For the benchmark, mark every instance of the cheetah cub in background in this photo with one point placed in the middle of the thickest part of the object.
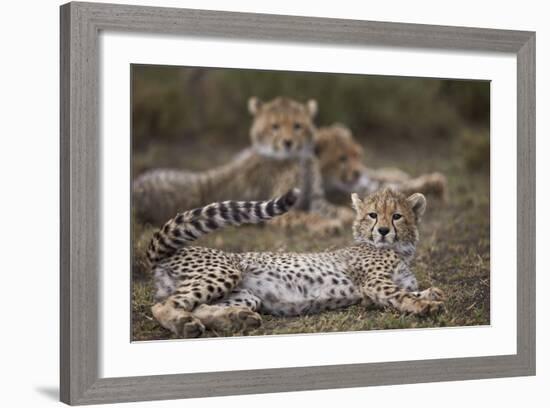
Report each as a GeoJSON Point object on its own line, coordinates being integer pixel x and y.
{"type": "Point", "coordinates": [280, 158]}
{"type": "Point", "coordinates": [341, 159]}
{"type": "Point", "coordinates": [198, 288]}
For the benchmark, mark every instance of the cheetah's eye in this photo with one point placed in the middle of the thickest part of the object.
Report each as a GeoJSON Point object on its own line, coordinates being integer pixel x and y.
{"type": "Point", "coordinates": [396, 216]}
{"type": "Point", "coordinates": [297, 126]}
{"type": "Point", "coordinates": [275, 126]}
{"type": "Point", "coordinates": [373, 215]}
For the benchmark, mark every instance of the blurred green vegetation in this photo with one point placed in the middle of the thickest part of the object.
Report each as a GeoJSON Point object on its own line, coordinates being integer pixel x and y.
{"type": "Point", "coordinates": [196, 105]}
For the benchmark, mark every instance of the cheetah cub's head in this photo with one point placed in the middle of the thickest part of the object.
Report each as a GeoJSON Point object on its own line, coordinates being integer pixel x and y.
{"type": "Point", "coordinates": [388, 219]}
{"type": "Point", "coordinates": [340, 158]}
{"type": "Point", "coordinates": [282, 128]}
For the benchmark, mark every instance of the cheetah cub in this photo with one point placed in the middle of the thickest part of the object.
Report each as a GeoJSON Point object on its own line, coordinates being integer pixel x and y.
{"type": "Point", "coordinates": [198, 288]}
{"type": "Point", "coordinates": [279, 158]}
{"type": "Point", "coordinates": [341, 157]}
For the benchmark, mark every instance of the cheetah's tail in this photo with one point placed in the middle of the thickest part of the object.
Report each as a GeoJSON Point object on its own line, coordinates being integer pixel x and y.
{"type": "Point", "coordinates": [190, 225]}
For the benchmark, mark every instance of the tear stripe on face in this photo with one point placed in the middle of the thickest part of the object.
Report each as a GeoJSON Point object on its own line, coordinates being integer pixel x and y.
{"type": "Point", "coordinates": [395, 236]}
{"type": "Point", "coordinates": [372, 230]}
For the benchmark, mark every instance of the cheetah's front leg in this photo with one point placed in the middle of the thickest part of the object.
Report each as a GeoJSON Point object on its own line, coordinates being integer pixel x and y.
{"type": "Point", "coordinates": [432, 293]}
{"type": "Point", "coordinates": [384, 292]}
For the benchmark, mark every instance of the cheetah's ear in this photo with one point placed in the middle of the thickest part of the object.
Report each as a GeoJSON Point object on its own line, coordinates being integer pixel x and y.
{"type": "Point", "coordinates": [417, 202]}
{"type": "Point", "coordinates": [312, 107]}
{"type": "Point", "coordinates": [254, 105]}
{"type": "Point", "coordinates": [356, 202]}
{"type": "Point", "coordinates": [342, 130]}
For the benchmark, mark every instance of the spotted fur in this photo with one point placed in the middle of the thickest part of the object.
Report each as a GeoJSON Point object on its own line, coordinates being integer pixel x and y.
{"type": "Point", "coordinates": [200, 288]}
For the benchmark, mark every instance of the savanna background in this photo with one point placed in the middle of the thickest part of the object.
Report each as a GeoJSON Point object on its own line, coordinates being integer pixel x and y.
{"type": "Point", "coordinates": [196, 118]}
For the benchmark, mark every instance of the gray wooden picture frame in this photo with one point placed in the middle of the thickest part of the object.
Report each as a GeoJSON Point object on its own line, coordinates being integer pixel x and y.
{"type": "Point", "coordinates": [81, 24]}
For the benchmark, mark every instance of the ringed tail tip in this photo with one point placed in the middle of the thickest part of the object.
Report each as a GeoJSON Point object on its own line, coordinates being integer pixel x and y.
{"type": "Point", "coordinates": [290, 197]}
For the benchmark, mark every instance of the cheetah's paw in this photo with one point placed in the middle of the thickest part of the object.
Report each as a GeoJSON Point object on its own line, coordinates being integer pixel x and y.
{"type": "Point", "coordinates": [180, 322]}
{"type": "Point", "coordinates": [188, 327]}
{"type": "Point", "coordinates": [237, 318]}
{"type": "Point", "coordinates": [428, 307]}
{"type": "Point", "coordinates": [433, 293]}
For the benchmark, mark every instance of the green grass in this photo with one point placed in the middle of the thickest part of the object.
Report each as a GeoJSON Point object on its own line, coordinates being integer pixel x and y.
{"type": "Point", "coordinates": [453, 253]}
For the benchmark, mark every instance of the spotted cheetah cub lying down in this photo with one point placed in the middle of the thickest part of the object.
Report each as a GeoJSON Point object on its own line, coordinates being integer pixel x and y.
{"type": "Point", "coordinates": [198, 288]}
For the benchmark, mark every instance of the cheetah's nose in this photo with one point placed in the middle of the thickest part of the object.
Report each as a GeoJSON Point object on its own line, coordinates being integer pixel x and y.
{"type": "Point", "coordinates": [288, 144]}
{"type": "Point", "coordinates": [383, 231]}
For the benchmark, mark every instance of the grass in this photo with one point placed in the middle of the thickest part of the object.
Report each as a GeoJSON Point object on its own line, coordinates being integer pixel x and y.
{"type": "Point", "coordinates": [453, 253]}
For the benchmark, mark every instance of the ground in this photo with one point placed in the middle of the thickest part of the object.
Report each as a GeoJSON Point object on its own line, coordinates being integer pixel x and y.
{"type": "Point", "coordinates": [453, 253]}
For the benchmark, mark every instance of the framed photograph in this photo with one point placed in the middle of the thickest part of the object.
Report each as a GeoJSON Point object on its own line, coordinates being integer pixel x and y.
{"type": "Point", "coordinates": [261, 203]}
